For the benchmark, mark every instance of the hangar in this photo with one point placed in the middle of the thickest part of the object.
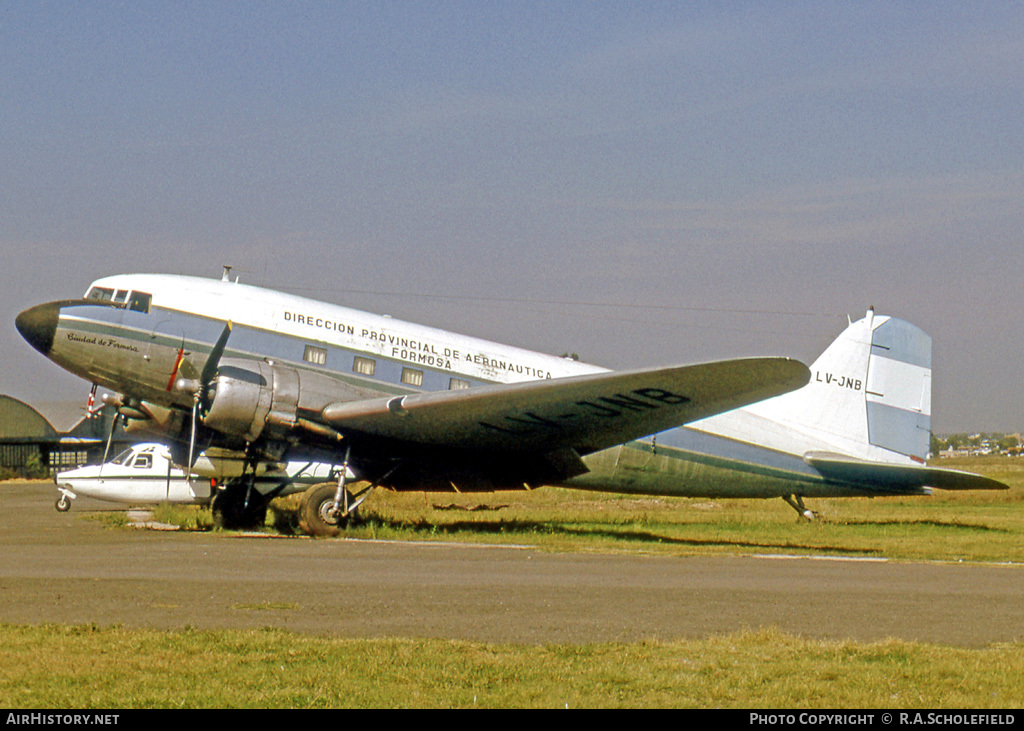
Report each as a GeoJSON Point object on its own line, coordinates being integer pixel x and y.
{"type": "Point", "coordinates": [36, 441]}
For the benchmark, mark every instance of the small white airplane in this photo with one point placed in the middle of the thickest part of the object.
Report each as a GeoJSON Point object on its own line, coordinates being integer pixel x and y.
{"type": "Point", "coordinates": [409, 407]}
{"type": "Point", "coordinates": [144, 474]}
{"type": "Point", "coordinates": [140, 475]}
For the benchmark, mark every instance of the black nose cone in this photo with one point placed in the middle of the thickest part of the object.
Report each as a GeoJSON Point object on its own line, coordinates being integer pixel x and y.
{"type": "Point", "coordinates": [38, 325]}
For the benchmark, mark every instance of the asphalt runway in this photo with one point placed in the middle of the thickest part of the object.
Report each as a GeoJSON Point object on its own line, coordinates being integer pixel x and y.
{"type": "Point", "coordinates": [62, 568]}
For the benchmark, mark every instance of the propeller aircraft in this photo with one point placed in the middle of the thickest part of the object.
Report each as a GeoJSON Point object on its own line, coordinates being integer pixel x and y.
{"type": "Point", "coordinates": [271, 377]}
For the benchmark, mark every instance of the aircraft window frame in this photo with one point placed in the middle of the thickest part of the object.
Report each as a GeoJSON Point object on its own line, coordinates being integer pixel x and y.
{"type": "Point", "coordinates": [412, 377]}
{"type": "Point", "coordinates": [364, 366]}
{"type": "Point", "coordinates": [315, 355]}
{"type": "Point", "coordinates": [458, 384]}
{"type": "Point", "coordinates": [120, 296]}
{"type": "Point", "coordinates": [123, 456]}
{"type": "Point", "coordinates": [100, 294]}
{"type": "Point", "coordinates": [140, 302]}
{"type": "Point", "coordinates": [143, 462]}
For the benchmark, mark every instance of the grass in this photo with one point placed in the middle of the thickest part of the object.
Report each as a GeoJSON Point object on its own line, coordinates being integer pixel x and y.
{"type": "Point", "coordinates": [938, 528]}
{"type": "Point", "coordinates": [92, 667]}
{"type": "Point", "coordinates": [977, 526]}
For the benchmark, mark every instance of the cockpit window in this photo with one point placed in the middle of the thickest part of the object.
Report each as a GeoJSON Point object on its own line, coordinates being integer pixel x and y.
{"type": "Point", "coordinates": [139, 301]}
{"type": "Point", "coordinates": [120, 459]}
{"type": "Point", "coordinates": [102, 294]}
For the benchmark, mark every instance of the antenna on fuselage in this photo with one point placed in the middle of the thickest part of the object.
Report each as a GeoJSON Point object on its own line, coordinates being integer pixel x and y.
{"type": "Point", "coordinates": [226, 276]}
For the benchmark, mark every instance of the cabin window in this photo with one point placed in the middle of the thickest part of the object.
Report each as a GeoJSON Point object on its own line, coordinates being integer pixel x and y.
{"type": "Point", "coordinates": [315, 355]}
{"type": "Point", "coordinates": [139, 301]}
{"type": "Point", "coordinates": [457, 384]}
{"type": "Point", "coordinates": [100, 294]}
{"type": "Point", "coordinates": [143, 462]}
{"type": "Point", "coordinates": [121, 295]}
{"type": "Point", "coordinates": [412, 377]}
{"type": "Point", "coordinates": [366, 366]}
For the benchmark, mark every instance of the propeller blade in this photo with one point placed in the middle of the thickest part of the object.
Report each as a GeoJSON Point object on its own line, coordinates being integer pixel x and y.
{"type": "Point", "coordinates": [110, 438]}
{"type": "Point", "coordinates": [210, 368]}
{"type": "Point", "coordinates": [201, 389]}
{"type": "Point", "coordinates": [192, 443]}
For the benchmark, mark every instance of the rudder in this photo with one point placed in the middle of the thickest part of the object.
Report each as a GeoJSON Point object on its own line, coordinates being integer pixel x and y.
{"type": "Point", "coordinates": [899, 389]}
{"type": "Point", "coordinates": [869, 396]}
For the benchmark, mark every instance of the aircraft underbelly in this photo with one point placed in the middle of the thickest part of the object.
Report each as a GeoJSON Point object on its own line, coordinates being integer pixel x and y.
{"type": "Point", "coordinates": [645, 469]}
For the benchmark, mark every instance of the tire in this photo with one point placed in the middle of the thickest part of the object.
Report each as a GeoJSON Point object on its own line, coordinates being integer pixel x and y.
{"type": "Point", "coordinates": [63, 505]}
{"type": "Point", "coordinates": [315, 518]}
{"type": "Point", "coordinates": [231, 513]}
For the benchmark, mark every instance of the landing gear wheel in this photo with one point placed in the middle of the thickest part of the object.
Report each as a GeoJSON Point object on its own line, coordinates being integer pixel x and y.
{"type": "Point", "coordinates": [231, 513]}
{"type": "Point", "coordinates": [63, 505]}
{"type": "Point", "coordinates": [803, 513]}
{"type": "Point", "coordinates": [316, 511]}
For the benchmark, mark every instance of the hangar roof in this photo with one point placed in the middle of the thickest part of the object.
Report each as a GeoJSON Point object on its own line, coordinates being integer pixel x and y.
{"type": "Point", "coordinates": [19, 421]}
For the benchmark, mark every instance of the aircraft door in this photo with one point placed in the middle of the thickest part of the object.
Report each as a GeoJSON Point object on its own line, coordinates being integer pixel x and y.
{"type": "Point", "coordinates": [165, 357]}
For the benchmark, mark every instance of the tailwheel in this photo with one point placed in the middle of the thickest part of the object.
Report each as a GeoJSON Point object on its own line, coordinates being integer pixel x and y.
{"type": "Point", "coordinates": [797, 503]}
{"type": "Point", "coordinates": [239, 508]}
{"type": "Point", "coordinates": [320, 515]}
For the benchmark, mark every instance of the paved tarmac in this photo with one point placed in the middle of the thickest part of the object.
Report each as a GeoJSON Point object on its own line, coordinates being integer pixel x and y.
{"type": "Point", "coordinates": [62, 568]}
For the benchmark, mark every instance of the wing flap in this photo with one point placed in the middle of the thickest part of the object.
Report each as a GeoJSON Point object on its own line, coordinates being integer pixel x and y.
{"type": "Point", "coordinates": [897, 477]}
{"type": "Point", "coordinates": [586, 413]}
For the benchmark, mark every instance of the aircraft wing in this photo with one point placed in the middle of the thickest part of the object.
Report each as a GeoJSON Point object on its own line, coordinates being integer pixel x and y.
{"type": "Point", "coordinates": [897, 477]}
{"type": "Point", "coordinates": [585, 413]}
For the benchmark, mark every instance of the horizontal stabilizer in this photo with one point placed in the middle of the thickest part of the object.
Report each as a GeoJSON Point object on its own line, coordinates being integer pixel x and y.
{"type": "Point", "coordinates": [585, 413]}
{"type": "Point", "coordinates": [897, 477]}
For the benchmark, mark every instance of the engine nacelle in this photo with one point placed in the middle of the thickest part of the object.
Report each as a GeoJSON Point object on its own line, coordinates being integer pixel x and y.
{"type": "Point", "coordinates": [248, 397]}
{"type": "Point", "coordinates": [150, 420]}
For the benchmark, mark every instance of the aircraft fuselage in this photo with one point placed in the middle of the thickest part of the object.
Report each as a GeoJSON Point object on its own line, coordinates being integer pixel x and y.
{"type": "Point", "coordinates": [149, 337]}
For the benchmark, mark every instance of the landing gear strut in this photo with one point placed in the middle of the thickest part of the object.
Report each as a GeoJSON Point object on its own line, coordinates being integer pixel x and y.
{"type": "Point", "coordinates": [317, 513]}
{"type": "Point", "coordinates": [797, 503]}
{"type": "Point", "coordinates": [325, 508]}
{"type": "Point", "coordinates": [328, 508]}
{"type": "Point", "coordinates": [63, 504]}
{"type": "Point", "coordinates": [239, 506]}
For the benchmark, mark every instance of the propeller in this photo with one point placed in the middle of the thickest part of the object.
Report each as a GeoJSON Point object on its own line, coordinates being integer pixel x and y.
{"type": "Point", "coordinates": [110, 437]}
{"type": "Point", "coordinates": [213, 362]}
{"type": "Point", "coordinates": [117, 402]}
{"type": "Point", "coordinates": [205, 379]}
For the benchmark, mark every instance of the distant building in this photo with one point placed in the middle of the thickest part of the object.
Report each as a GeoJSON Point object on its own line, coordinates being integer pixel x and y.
{"type": "Point", "coordinates": [53, 436]}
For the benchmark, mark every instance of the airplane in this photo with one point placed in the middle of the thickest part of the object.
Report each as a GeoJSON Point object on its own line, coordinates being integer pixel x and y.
{"type": "Point", "coordinates": [145, 474]}
{"type": "Point", "coordinates": [410, 407]}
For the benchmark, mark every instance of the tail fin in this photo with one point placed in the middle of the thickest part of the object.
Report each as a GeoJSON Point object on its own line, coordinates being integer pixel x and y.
{"type": "Point", "coordinates": [869, 396]}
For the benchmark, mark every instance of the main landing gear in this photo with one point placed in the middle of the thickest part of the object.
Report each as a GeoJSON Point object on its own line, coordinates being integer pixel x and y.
{"type": "Point", "coordinates": [797, 503]}
{"type": "Point", "coordinates": [239, 506]}
{"type": "Point", "coordinates": [326, 509]}
{"type": "Point", "coordinates": [318, 515]}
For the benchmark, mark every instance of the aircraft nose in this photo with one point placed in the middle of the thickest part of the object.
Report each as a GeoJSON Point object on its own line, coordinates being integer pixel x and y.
{"type": "Point", "coordinates": [38, 325]}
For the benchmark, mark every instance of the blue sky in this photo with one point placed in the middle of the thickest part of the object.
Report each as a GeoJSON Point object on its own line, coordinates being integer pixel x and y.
{"type": "Point", "coordinates": [640, 183]}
